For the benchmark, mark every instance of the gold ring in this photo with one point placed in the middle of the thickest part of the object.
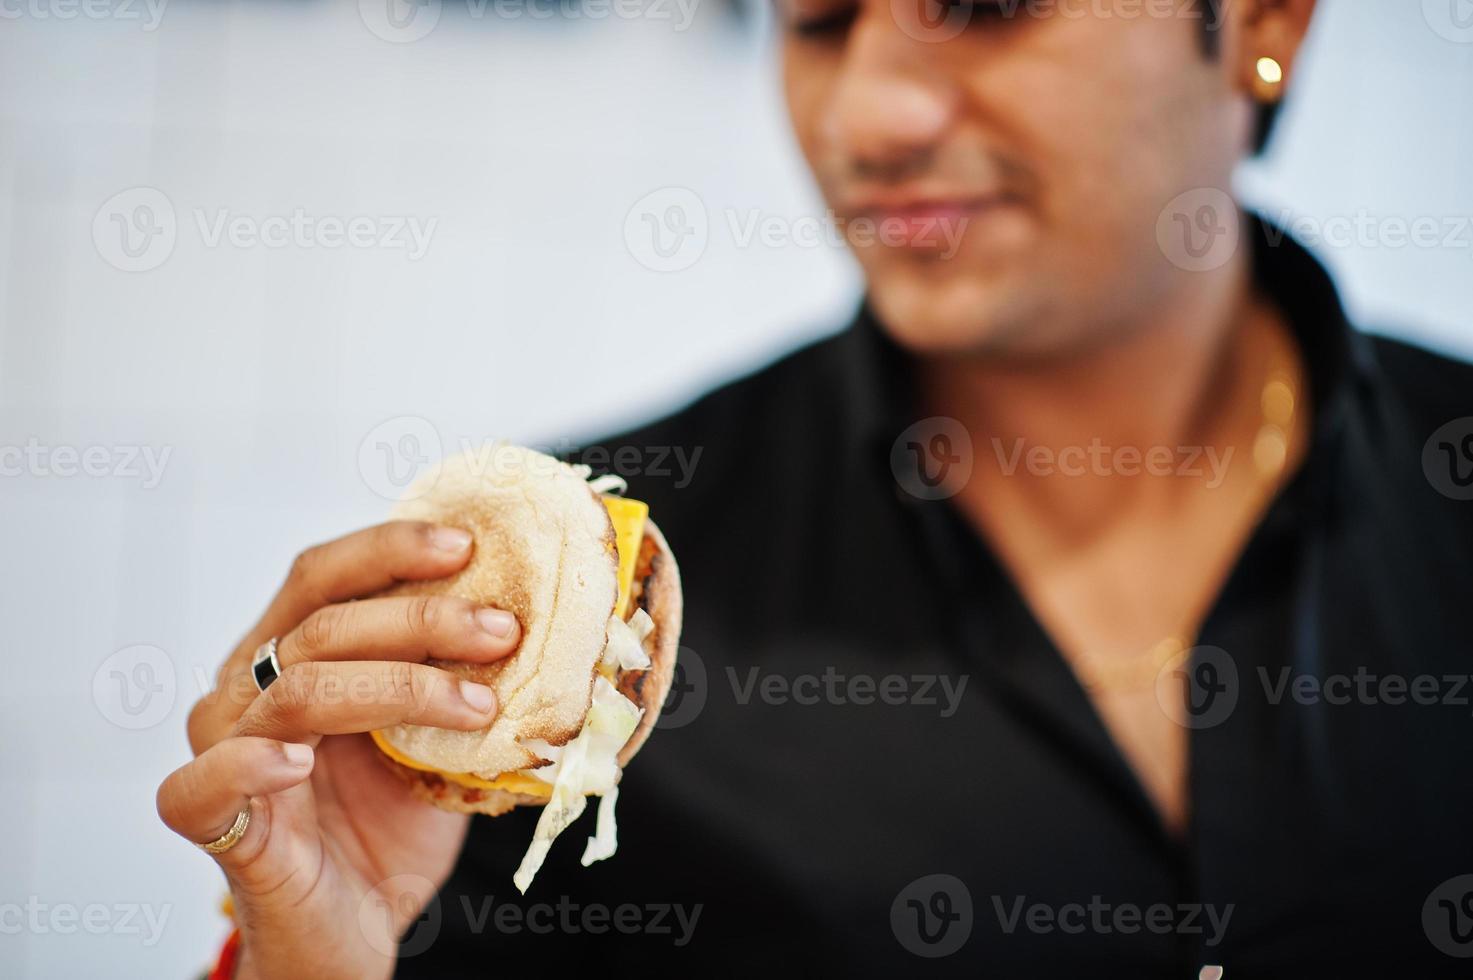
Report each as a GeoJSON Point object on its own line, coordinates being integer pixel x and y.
{"type": "Point", "coordinates": [232, 836]}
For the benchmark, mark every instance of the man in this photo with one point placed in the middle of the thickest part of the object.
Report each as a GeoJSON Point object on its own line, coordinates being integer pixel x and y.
{"type": "Point", "coordinates": [1091, 605]}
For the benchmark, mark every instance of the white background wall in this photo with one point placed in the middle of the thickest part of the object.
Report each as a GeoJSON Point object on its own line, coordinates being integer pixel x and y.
{"type": "Point", "coordinates": [262, 370]}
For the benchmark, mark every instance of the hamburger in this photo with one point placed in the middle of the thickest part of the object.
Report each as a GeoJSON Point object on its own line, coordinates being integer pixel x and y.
{"type": "Point", "coordinates": [596, 591]}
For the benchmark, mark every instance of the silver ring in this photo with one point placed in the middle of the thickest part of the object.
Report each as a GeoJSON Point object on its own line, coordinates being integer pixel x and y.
{"type": "Point", "coordinates": [265, 668]}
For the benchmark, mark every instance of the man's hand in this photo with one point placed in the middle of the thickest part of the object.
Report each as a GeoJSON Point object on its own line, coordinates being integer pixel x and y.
{"type": "Point", "coordinates": [330, 824]}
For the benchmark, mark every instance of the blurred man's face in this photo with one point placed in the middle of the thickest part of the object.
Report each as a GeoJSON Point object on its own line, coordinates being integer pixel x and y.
{"type": "Point", "coordinates": [1000, 168]}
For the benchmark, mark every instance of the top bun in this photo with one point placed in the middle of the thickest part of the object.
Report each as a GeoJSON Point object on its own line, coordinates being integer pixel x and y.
{"type": "Point", "coordinates": [544, 551]}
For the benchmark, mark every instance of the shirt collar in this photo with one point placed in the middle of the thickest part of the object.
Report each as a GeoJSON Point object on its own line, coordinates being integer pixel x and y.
{"type": "Point", "coordinates": [878, 387]}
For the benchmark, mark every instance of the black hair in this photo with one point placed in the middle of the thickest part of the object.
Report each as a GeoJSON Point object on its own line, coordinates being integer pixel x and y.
{"type": "Point", "coordinates": [1210, 23]}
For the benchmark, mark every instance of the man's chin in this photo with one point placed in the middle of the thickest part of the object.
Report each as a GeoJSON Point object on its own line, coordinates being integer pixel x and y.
{"type": "Point", "coordinates": [931, 318]}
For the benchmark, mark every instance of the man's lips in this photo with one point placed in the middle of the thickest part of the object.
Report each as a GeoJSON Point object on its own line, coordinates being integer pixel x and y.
{"type": "Point", "coordinates": [926, 221]}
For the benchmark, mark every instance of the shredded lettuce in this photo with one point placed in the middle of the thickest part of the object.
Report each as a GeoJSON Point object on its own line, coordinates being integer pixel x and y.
{"type": "Point", "coordinates": [544, 750]}
{"type": "Point", "coordinates": [588, 766]}
{"type": "Point", "coordinates": [605, 839]}
{"type": "Point", "coordinates": [625, 647]}
{"type": "Point", "coordinates": [607, 483]}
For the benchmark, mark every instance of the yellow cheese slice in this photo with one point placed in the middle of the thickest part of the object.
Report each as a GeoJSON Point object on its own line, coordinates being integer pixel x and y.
{"type": "Point", "coordinates": [512, 782]}
{"type": "Point", "coordinates": [628, 517]}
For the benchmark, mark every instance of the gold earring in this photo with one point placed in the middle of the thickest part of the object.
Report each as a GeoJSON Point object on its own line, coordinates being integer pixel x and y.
{"type": "Point", "coordinates": [1268, 79]}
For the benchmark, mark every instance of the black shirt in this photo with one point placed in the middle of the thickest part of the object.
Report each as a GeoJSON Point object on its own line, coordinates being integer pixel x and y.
{"type": "Point", "coordinates": [876, 761]}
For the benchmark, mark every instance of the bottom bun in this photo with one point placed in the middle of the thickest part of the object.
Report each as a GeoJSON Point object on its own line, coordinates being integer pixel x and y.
{"type": "Point", "coordinates": [434, 788]}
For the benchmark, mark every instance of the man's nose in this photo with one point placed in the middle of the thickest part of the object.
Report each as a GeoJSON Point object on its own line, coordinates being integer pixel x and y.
{"type": "Point", "coordinates": [891, 104]}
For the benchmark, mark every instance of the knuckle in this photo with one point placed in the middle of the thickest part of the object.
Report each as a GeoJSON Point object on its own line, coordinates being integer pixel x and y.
{"type": "Point", "coordinates": [199, 726]}
{"type": "Point", "coordinates": [413, 688]}
{"type": "Point", "coordinates": [421, 532]}
{"type": "Point", "coordinates": [296, 687]}
{"type": "Point", "coordinates": [305, 572]}
{"type": "Point", "coordinates": [399, 683]}
{"type": "Point", "coordinates": [423, 615]}
{"type": "Point", "coordinates": [286, 701]}
{"type": "Point", "coordinates": [303, 566]}
{"type": "Point", "coordinates": [318, 631]}
{"type": "Point", "coordinates": [401, 537]}
{"type": "Point", "coordinates": [166, 800]}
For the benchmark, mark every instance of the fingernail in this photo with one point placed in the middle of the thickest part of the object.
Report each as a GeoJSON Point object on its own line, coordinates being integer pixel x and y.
{"type": "Point", "coordinates": [478, 696]}
{"type": "Point", "coordinates": [451, 539]}
{"type": "Point", "coordinates": [297, 754]}
{"type": "Point", "coordinates": [497, 622]}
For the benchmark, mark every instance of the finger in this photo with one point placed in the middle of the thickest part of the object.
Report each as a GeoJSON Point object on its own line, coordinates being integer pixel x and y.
{"type": "Point", "coordinates": [200, 800]}
{"type": "Point", "coordinates": [412, 628]}
{"type": "Point", "coordinates": [313, 699]}
{"type": "Point", "coordinates": [360, 563]}
{"type": "Point", "coordinates": [355, 565]}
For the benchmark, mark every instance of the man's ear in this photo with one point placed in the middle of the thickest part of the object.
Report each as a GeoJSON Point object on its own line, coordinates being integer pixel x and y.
{"type": "Point", "coordinates": [1267, 40]}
